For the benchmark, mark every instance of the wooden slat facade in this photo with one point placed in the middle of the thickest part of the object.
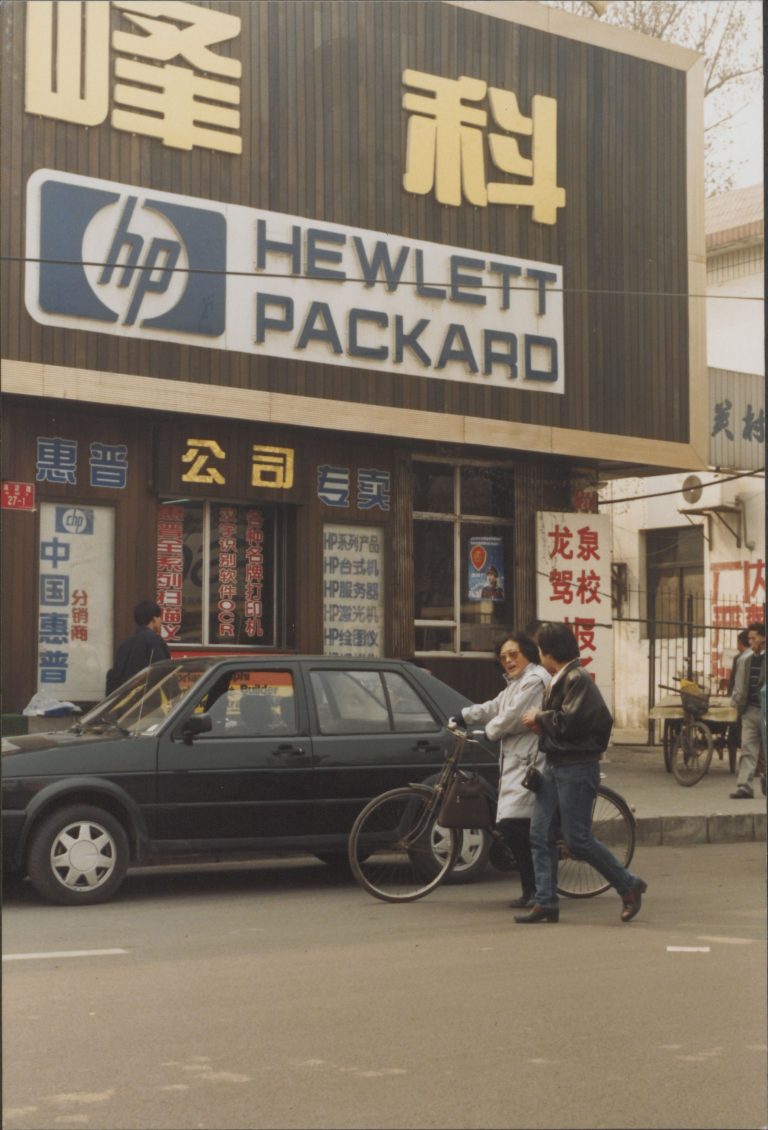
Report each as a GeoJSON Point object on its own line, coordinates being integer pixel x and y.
{"type": "Point", "coordinates": [324, 137]}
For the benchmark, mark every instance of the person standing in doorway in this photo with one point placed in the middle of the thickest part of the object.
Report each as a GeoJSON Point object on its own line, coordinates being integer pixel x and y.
{"type": "Point", "coordinates": [574, 726]}
{"type": "Point", "coordinates": [750, 677]}
{"type": "Point", "coordinates": [145, 646]}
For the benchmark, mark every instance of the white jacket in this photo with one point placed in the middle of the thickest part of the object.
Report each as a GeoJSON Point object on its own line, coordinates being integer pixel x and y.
{"type": "Point", "coordinates": [502, 718]}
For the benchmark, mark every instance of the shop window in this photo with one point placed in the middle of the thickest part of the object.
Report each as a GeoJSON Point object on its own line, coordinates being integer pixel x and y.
{"type": "Point", "coordinates": [218, 571]}
{"type": "Point", "coordinates": [675, 581]}
{"type": "Point", "coordinates": [463, 518]}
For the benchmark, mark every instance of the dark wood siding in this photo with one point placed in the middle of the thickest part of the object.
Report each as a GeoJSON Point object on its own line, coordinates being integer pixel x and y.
{"type": "Point", "coordinates": [324, 137]}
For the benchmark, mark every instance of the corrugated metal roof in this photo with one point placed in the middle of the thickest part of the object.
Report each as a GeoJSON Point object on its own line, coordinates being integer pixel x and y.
{"type": "Point", "coordinates": [735, 216]}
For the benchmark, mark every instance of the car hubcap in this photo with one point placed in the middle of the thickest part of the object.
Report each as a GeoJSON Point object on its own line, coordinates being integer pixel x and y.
{"type": "Point", "coordinates": [83, 856]}
{"type": "Point", "coordinates": [472, 842]}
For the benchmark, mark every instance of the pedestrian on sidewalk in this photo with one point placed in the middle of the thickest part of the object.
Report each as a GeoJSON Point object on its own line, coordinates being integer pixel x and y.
{"type": "Point", "coordinates": [750, 677]}
{"type": "Point", "coordinates": [145, 646]}
{"type": "Point", "coordinates": [502, 717]}
{"type": "Point", "coordinates": [574, 726]}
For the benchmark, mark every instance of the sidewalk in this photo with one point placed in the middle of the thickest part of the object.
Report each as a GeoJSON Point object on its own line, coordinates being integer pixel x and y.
{"type": "Point", "coordinates": [668, 813]}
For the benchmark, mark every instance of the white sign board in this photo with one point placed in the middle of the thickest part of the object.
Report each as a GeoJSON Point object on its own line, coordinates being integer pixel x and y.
{"type": "Point", "coordinates": [75, 600]}
{"type": "Point", "coordinates": [353, 590]}
{"type": "Point", "coordinates": [125, 260]}
{"type": "Point", "coordinates": [573, 566]}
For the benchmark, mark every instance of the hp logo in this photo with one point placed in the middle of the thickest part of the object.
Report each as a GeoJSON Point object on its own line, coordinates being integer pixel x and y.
{"type": "Point", "coordinates": [132, 259]}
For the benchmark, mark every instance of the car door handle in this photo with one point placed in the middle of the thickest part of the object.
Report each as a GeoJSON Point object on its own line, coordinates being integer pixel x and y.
{"type": "Point", "coordinates": [427, 747]}
{"type": "Point", "coordinates": [290, 750]}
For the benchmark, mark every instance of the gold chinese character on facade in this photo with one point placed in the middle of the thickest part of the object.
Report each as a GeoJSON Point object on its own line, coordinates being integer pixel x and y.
{"type": "Point", "coordinates": [68, 76]}
{"type": "Point", "coordinates": [445, 145]}
{"type": "Point", "coordinates": [272, 467]}
{"type": "Point", "coordinates": [198, 452]}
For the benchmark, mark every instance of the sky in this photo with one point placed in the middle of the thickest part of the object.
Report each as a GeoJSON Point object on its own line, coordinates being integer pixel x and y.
{"type": "Point", "coordinates": [748, 131]}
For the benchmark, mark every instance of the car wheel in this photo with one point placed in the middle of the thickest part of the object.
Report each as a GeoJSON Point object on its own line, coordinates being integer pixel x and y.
{"type": "Point", "coordinates": [473, 853]}
{"type": "Point", "coordinates": [78, 856]}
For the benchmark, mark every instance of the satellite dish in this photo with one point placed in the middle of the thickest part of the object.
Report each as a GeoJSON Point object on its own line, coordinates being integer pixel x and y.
{"type": "Point", "coordinates": [692, 489]}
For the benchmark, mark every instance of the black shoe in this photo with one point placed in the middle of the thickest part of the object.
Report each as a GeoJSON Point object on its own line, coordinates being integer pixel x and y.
{"type": "Point", "coordinates": [632, 901]}
{"type": "Point", "coordinates": [524, 900]}
{"type": "Point", "coordinates": [540, 914]}
{"type": "Point", "coordinates": [742, 793]}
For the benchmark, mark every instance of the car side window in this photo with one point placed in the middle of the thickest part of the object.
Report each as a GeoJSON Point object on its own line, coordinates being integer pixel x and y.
{"type": "Point", "coordinates": [252, 704]}
{"type": "Point", "coordinates": [408, 711]}
{"type": "Point", "coordinates": [350, 702]}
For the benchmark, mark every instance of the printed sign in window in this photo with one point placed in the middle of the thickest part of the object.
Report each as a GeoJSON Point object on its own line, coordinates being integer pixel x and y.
{"type": "Point", "coordinates": [353, 590]}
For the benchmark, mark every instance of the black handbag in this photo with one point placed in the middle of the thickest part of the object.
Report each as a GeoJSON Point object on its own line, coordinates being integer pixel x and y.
{"type": "Point", "coordinates": [465, 804]}
{"type": "Point", "coordinates": [532, 779]}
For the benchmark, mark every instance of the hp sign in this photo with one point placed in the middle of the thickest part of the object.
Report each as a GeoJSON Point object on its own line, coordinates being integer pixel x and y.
{"type": "Point", "coordinates": [124, 257]}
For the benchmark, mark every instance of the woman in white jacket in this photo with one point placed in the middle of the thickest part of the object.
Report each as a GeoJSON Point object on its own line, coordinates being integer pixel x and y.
{"type": "Point", "coordinates": [518, 656]}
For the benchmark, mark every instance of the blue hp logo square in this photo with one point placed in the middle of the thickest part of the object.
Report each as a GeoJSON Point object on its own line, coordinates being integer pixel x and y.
{"type": "Point", "coordinates": [131, 258]}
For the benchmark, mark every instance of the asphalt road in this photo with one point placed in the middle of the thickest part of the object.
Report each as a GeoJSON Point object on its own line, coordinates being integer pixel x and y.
{"type": "Point", "coordinates": [277, 995]}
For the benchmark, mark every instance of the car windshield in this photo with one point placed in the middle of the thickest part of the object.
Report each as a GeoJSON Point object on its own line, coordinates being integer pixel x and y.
{"type": "Point", "coordinates": [142, 704]}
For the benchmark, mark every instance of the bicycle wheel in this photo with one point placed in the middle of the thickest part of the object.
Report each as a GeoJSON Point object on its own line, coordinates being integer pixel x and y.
{"type": "Point", "coordinates": [692, 754]}
{"type": "Point", "coordinates": [614, 825]}
{"type": "Point", "coordinates": [391, 848]}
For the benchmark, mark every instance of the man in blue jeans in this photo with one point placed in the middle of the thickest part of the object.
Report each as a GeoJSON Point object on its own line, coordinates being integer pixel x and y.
{"type": "Point", "coordinates": [574, 726]}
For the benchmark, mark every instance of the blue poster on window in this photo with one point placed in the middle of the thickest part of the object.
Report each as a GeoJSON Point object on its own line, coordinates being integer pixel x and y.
{"type": "Point", "coordinates": [485, 580]}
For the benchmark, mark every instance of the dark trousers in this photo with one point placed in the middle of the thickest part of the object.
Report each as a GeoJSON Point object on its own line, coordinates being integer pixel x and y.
{"type": "Point", "coordinates": [516, 832]}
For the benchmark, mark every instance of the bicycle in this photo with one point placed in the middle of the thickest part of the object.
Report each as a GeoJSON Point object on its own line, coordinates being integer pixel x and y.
{"type": "Point", "coordinates": [693, 747]}
{"type": "Point", "coordinates": [398, 851]}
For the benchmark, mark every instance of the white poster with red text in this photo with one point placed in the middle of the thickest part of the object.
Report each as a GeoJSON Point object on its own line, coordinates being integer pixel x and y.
{"type": "Point", "coordinates": [573, 586]}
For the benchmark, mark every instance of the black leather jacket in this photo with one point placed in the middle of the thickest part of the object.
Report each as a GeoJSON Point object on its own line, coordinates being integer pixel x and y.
{"type": "Point", "coordinates": [575, 722]}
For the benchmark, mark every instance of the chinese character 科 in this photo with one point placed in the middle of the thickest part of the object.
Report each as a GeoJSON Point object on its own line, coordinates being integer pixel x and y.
{"type": "Point", "coordinates": [372, 489]}
{"type": "Point", "coordinates": [444, 148]}
{"type": "Point", "coordinates": [754, 425]}
{"type": "Point", "coordinates": [198, 452]}
{"type": "Point", "coordinates": [333, 485]}
{"type": "Point", "coordinates": [445, 145]}
{"type": "Point", "coordinates": [272, 467]}
{"type": "Point", "coordinates": [542, 194]}
{"type": "Point", "coordinates": [722, 419]}
{"type": "Point", "coordinates": [109, 465]}
{"type": "Point", "coordinates": [56, 460]}
{"type": "Point", "coordinates": [560, 542]}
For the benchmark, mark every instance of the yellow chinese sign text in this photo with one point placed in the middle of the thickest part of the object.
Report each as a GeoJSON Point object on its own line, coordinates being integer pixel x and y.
{"type": "Point", "coordinates": [162, 66]}
{"type": "Point", "coordinates": [446, 152]}
{"type": "Point", "coordinates": [198, 452]}
{"type": "Point", "coordinates": [272, 467]}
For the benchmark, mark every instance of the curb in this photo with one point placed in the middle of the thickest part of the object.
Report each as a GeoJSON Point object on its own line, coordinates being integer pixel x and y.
{"type": "Point", "coordinates": [653, 831]}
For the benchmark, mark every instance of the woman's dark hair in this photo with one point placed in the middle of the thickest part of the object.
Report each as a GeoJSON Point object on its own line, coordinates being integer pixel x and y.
{"type": "Point", "coordinates": [525, 643]}
{"type": "Point", "coordinates": [558, 641]}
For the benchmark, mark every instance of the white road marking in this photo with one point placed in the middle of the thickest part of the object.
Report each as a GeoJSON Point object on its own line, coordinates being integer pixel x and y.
{"type": "Point", "coordinates": [726, 941]}
{"type": "Point", "coordinates": [59, 953]}
{"type": "Point", "coordinates": [688, 949]}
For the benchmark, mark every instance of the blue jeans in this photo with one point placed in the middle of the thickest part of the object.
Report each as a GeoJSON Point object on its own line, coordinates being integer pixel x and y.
{"type": "Point", "coordinates": [572, 789]}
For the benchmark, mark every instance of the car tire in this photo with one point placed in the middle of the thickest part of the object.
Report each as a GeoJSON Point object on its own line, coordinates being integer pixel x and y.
{"type": "Point", "coordinates": [472, 860]}
{"type": "Point", "coordinates": [78, 856]}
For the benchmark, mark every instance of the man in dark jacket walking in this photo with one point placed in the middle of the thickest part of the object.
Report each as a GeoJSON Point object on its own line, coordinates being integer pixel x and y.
{"type": "Point", "coordinates": [574, 726]}
{"type": "Point", "coordinates": [145, 646]}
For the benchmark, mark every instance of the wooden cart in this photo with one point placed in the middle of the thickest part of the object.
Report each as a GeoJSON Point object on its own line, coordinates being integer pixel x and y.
{"type": "Point", "coordinates": [722, 719]}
